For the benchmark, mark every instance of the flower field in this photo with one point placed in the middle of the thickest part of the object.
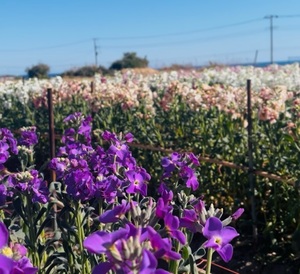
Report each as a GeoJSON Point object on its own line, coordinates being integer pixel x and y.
{"type": "Point", "coordinates": [146, 164]}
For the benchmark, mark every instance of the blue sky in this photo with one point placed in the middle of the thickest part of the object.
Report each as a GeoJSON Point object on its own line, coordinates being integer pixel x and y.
{"type": "Point", "coordinates": [61, 33]}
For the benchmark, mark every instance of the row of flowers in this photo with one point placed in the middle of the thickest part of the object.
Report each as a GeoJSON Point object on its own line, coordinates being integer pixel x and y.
{"type": "Point", "coordinates": [104, 209]}
{"type": "Point", "coordinates": [223, 88]}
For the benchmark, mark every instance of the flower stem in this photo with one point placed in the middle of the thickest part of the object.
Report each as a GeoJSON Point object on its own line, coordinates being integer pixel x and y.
{"type": "Point", "coordinates": [32, 233]}
{"type": "Point", "coordinates": [86, 269]}
{"type": "Point", "coordinates": [209, 260]}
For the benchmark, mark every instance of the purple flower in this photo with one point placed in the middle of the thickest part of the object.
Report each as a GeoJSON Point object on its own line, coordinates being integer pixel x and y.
{"type": "Point", "coordinates": [193, 159]}
{"type": "Point", "coordinates": [13, 260]}
{"type": "Point", "coordinates": [3, 235]}
{"type": "Point", "coordinates": [78, 125]}
{"type": "Point", "coordinates": [162, 246]}
{"type": "Point", "coordinates": [109, 136]}
{"type": "Point", "coordinates": [165, 192]}
{"type": "Point", "coordinates": [24, 266]}
{"type": "Point", "coordinates": [162, 208]}
{"type": "Point", "coordinates": [115, 214]}
{"type": "Point", "coordinates": [8, 144]}
{"type": "Point", "coordinates": [6, 264]}
{"type": "Point", "coordinates": [7, 136]}
{"type": "Point", "coordinates": [85, 129]}
{"type": "Point", "coordinates": [28, 181]}
{"type": "Point", "coordinates": [130, 249]}
{"type": "Point", "coordinates": [170, 163]}
{"type": "Point", "coordinates": [99, 242]}
{"type": "Point", "coordinates": [108, 188]}
{"type": "Point", "coordinates": [73, 117]}
{"type": "Point", "coordinates": [184, 164]}
{"type": "Point", "coordinates": [120, 150]}
{"type": "Point", "coordinates": [80, 184]}
{"type": "Point", "coordinates": [137, 183]}
{"type": "Point", "coordinates": [4, 154]}
{"type": "Point", "coordinates": [28, 136]}
{"type": "Point", "coordinates": [199, 205]}
{"type": "Point", "coordinates": [59, 165]}
{"type": "Point", "coordinates": [172, 225]}
{"type": "Point", "coordinates": [190, 178]}
{"type": "Point", "coordinates": [103, 268]}
{"type": "Point", "coordinates": [68, 136]}
{"type": "Point", "coordinates": [129, 137]}
{"type": "Point", "coordinates": [190, 220]}
{"type": "Point", "coordinates": [219, 237]}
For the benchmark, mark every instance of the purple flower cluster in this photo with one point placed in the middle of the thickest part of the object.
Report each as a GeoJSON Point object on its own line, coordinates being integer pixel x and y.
{"type": "Point", "coordinates": [194, 218]}
{"type": "Point", "coordinates": [30, 183]}
{"type": "Point", "coordinates": [12, 258]}
{"type": "Point", "coordinates": [184, 164]}
{"type": "Point", "coordinates": [79, 125]}
{"type": "Point", "coordinates": [8, 144]}
{"type": "Point", "coordinates": [198, 219]}
{"type": "Point", "coordinates": [28, 137]}
{"type": "Point", "coordinates": [89, 172]}
{"type": "Point", "coordinates": [24, 181]}
{"type": "Point", "coordinates": [130, 250]}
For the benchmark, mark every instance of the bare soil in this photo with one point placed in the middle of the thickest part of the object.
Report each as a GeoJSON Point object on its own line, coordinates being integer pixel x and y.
{"type": "Point", "coordinates": [246, 261]}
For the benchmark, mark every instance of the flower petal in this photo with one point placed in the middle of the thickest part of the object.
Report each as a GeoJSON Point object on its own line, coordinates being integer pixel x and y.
{"type": "Point", "coordinates": [213, 226]}
{"type": "Point", "coordinates": [6, 264]}
{"type": "Point", "coordinates": [148, 263]}
{"type": "Point", "coordinates": [3, 235]}
{"type": "Point", "coordinates": [227, 234]}
{"type": "Point", "coordinates": [211, 243]}
{"type": "Point", "coordinates": [102, 268]}
{"type": "Point", "coordinates": [99, 241]}
{"type": "Point", "coordinates": [226, 252]}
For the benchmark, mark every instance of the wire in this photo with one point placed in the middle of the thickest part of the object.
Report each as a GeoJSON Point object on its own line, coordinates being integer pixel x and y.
{"type": "Point", "coordinates": [45, 48]}
{"type": "Point", "coordinates": [174, 43]}
{"type": "Point", "coordinates": [180, 33]}
{"type": "Point", "coordinates": [131, 37]}
{"type": "Point", "coordinates": [289, 16]}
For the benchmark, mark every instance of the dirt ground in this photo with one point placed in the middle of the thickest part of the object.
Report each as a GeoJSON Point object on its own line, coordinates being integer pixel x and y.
{"type": "Point", "coordinates": [244, 262]}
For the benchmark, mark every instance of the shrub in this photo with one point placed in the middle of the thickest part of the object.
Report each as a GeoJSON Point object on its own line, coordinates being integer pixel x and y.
{"type": "Point", "coordinates": [38, 71]}
{"type": "Point", "coordinates": [85, 71]}
{"type": "Point", "coordinates": [130, 60]}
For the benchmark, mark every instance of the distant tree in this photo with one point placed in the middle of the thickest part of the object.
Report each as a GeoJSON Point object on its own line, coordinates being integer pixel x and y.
{"type": "Point", "coordinates": [129, 60]}
{"type": "Point", "coordinates": [85, 71]}
{"type": "Point", "coordinates": [39, 71]}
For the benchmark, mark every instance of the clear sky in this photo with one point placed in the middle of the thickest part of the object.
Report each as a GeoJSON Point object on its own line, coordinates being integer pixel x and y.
{"type": "Point", "coordinates": [61, 33]}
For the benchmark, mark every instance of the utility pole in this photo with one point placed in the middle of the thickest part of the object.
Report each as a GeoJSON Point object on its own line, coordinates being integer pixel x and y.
{"type": "Point", "coordinates": [271, 34]}
{"type": "Point", "coordinates": [96, 52]}
{"type": "Point", "coordinates": [255, 57]}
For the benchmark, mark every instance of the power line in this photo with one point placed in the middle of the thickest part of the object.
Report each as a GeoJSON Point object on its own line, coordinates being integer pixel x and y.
{"type": "Point", "coordinates": [145, 36]}
{"type": "Point", "coordinates": [174, 43]}
{"type": "Point", "coordinates": [289, 16]}
{"type": "Point", "coordinates": [47, 47]}
{"type": "Point", "coordinates": [166, 35]}
{"type": "Point", "coordinates": [180, 33]}
{"type": "Point", "coordinates": [132, 37]}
